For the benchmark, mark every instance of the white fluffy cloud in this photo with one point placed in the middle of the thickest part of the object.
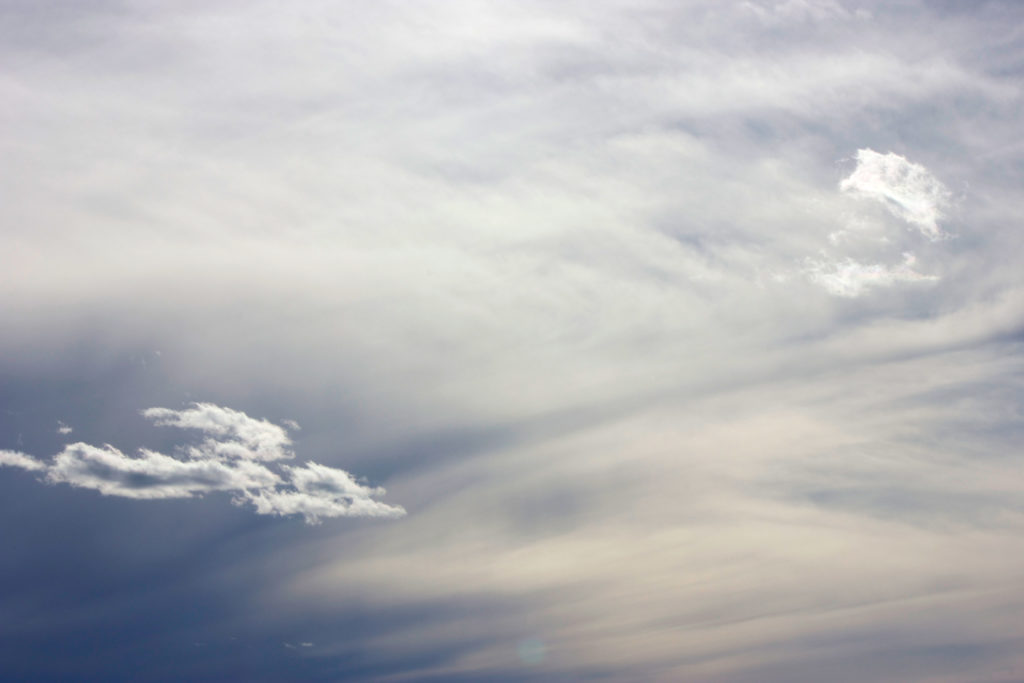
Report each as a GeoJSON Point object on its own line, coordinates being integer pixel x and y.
{"type": "Point", "coordinates": [320, 491]}
{"type": "Point", "coordinates": [908, 190]}
{"type": "Point", "coordinates": [231, 459]}
{"type": "Point", "coordinates": [151, 474]}
{"type": "Point", "coordinates": [16, 459]}
{"type": "Point", "coordinates": [232, 433]}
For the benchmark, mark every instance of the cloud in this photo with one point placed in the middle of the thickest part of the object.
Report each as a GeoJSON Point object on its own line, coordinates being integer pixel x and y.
{"type": "Point", "coordinates": [16, 459]}
{"type": "Point", "coordinates": [799, 10]}
{"type": "Point", "coordinates": [152, 474]}
{"type": "Point", "coordinates": [313, 507]}
{"type": "Point", "coordinates": [63, 429]}
{"type": "Point", "coordinates": [850, 278]}
{"type": "Point", "coordinates": [233, 434]}
{"type": "Point", "coordinates": [232, 459]}
{"type": "Point", "coordinates": [507, 254]}
{"type": "Point", "coordinates": [320, 491]}
{"type": "Point", "coordinates": [908, 190]}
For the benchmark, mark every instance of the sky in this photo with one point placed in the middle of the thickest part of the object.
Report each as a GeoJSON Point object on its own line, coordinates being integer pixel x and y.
{"type": "Point", "coordinates": [465, 340]}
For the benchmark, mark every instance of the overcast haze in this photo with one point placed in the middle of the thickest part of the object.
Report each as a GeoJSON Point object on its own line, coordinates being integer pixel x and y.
{"type": "Point", "coordinates": [512, 341]}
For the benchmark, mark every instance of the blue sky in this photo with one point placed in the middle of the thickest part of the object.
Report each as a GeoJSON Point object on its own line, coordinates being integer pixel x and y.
{"type": "Point", "coordinates": [511, 341]}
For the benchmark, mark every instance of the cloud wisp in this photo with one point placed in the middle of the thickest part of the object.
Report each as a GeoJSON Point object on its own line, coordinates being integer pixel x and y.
{"type": "Point", "coordinates": [16, 459]}
{"type": "Point", "coordinates": [852, 278]}
{"type": "Point", "coordinates": [232, 458]}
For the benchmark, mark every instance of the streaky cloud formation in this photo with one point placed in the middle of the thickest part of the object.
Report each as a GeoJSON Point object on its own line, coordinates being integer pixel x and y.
{"type": "Point", "coordinates": [908, 190]}
{"type": "Point", "coordinates": [850, 278]}
{"type": "Point", "coordinates": [230, 459]}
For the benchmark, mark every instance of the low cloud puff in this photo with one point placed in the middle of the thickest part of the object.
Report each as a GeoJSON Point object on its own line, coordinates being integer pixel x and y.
{"type": "Point", "coordinates": [16, 459]}
{"type": "Point", "coordinates": [908, 190]}
{"type": "Point", "coordinates": [231, 458]}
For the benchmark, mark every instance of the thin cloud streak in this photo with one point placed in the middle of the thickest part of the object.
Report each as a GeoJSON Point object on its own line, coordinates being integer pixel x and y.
{"type": "Point", "coordinates": [850, 278]}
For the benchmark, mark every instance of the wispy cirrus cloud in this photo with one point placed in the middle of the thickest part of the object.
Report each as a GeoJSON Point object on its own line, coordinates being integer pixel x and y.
{"type": "Point", "coordinates": [850, 278]}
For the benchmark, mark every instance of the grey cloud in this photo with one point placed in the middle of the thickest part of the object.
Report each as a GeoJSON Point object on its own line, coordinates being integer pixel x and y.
{"type": "Point", "coordinates": [787, 11]}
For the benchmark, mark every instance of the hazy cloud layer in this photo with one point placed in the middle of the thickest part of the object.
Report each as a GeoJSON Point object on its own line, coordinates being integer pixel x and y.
{"type": "Point", "coordinates": [688, 333]}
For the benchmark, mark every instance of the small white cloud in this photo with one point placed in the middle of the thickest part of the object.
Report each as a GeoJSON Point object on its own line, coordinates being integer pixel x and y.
{"type": "Point", "coordinates": [320, 491]}
{"type": "Point", "coordinates": [233, 434]}
{"type": "Point", "coordinates": [908, 190]}
{"type": "Point", "coordinates": [63, 428]}
{"type": "Point", "coordinates": [152, 474]}
{"type": "Point", "coordinates": [849, 278]}
{"type": "Point", "coordinates": [236, 457]}
{"type": "Point", "coordinates": [16, 459]}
